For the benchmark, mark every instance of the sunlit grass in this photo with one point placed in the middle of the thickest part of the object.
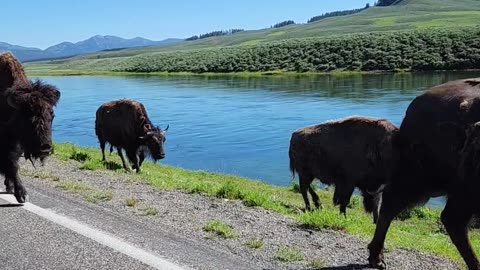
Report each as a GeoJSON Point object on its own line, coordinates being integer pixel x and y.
{"type": "Point", "coordinates": [221, 229]}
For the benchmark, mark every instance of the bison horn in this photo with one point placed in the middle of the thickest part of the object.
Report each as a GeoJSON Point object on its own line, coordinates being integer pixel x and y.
{"type": "Point", "coordinates": [167, 127]}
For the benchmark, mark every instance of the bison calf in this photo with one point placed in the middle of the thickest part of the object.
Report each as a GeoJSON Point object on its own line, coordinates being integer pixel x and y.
{"type": "Point", "coordinates": [125, 125]}
{"type": "Point", "coordinates": [347, 153]}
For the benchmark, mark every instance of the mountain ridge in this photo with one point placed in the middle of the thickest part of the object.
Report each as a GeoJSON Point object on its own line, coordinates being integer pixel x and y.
{"type": "Point", "coordinates": [93, 44]}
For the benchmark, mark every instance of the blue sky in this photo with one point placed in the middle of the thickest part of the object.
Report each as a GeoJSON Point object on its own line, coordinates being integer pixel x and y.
{"type": "Point", "coordinates": [44, 23]}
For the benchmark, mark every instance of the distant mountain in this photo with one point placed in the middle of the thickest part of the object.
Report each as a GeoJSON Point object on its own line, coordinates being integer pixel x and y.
{"type": "Point", "coordinates": [93, 44]}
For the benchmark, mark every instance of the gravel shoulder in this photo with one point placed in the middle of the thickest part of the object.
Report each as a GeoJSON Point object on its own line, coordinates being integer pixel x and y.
{"type": "Point", "coordinates": [185, 215]}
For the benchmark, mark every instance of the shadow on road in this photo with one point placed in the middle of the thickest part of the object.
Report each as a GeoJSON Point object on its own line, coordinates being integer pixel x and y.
{"type": "Point", "coordinates": [11, 205]}
{"type": "Point", "coordinates": [348, 267]}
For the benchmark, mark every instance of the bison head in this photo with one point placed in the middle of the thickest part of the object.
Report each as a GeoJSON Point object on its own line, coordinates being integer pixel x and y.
{"type": "Point", "coordinates": [154, 140]}
{"type": "Point", "coordinates": [33, 116]}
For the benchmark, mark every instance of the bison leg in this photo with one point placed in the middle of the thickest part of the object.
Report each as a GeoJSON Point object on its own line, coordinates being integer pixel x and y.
{"type": "Point", "coordinates": [304, 184]}
{"type": "Point", "coordinates": [141, 157]}
{"type": "Point", "coordinates": [342, 196]}
{"type": "Point", "coordinates": [11, 173]}
{"type": "Point", "coordinates": [315, 198]}
{"type": "Point", "coordinates": [455, 217]}
{"type": "Point", "coordinates": [392, 204]}
{"type": "Point", "coordinates": [132, 156]}
{"type": "Point", "coordinates": [120, 153]}
{"type": "Point", "coordinates": [377, 203]}
{"type": "Point", "coordinates": [9, 187]}
{"type": "Point", "coordinates": [371, 203]}
{"type": "Point", "coordinates": [102, 146]}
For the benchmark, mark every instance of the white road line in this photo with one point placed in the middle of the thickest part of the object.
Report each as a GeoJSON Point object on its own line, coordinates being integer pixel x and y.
{"type": "Point", "coordinates": [98, 236]}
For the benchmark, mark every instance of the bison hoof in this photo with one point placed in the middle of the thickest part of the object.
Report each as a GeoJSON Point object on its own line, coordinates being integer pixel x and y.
{"type": "Point", "coordinates": [21, 194]}
{"type": "Point", "coordinates": [377, 262]}
{"type": "Point", "coordinates": [379, 265]}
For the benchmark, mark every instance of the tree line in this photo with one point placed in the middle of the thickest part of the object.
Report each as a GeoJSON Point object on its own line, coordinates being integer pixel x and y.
{"type": "Point", "coordinates": [337, 13]}
{"type": "Point", "coordinates": [215, 34]}
{"type": "Point", "coordinates": [384, 3]}
{"type": "Point", "coordinates": [435, 49]}
{"type": "Point", "coordinates": [282, 24]}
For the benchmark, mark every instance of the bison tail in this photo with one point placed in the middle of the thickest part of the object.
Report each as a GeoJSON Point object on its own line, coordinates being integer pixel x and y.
{"type": "Point", "coordinates": [292, 163]}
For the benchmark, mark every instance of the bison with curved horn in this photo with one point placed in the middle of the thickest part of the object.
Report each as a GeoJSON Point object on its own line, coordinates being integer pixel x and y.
{"type": "Point", "coordinates": [354, 152]}
{"type": "Point", "coordinates": [438, 153]}
{"type": "Point", "coordinates": [124, 124]}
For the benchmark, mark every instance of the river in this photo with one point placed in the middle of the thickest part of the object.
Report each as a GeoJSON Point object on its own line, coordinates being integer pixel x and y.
{"type": "Point", "coordinates": [237, 125]}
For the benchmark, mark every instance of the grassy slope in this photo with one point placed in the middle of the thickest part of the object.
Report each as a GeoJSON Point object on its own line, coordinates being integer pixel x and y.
{"type": "Point", "coordinates": [420, 232]}
{"type": "Point", "coordinates": [408, 15]}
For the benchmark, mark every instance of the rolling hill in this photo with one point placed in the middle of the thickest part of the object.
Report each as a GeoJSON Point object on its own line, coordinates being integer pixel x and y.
{"type": "Point", "coordinates": [406, 15]}
{"type": "Point", "coordinates": [384, 29]}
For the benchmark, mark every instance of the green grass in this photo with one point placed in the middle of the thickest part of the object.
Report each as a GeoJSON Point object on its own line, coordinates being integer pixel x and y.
{"type": "Point", "coordinates": [254, 243]}
{"type": "Point", "coordinates": [89, 193]}
{"type": "Point", "coordinates": [221, 229]}
{"type": "Point", "coordinates": [131, 202]}
{"type": "Point", "coordinates": [150, 211]}
{"type": "Point", "coordinates": [317, 264]}
{"type": "Point", "coordinates": [419, 230]}
{"type": "Point", "coordinates": [288, 254]}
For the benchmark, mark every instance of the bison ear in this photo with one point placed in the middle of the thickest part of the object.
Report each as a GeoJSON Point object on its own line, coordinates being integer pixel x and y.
{"type": "Point", "coordinates": [12, 103]}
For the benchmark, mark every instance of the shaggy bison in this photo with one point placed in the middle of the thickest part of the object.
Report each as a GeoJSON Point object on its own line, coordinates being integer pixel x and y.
{"type": "Point", "coordinates": [438, 147]}
{"type": "Point", "coordinates": [28, 130]}
{"type": "Point", "coordinates": [125, 125]}
{"type": "Point", "coordinates": [348, 153]}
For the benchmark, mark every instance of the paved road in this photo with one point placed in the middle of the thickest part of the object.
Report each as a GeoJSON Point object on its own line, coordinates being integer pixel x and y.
{"type": "Point", "coordinates": [56, 231]}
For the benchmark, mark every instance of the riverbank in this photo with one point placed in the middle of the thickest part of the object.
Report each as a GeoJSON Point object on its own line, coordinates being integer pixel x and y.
{"type": "Point", "coordinates": [419, 230]}
{"type": "Point", "coordinates": [33, 69]}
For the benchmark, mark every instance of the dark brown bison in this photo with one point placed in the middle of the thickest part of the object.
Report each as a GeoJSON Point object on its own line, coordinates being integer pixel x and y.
{"type": "Point", "coordinates": [28, 130]}
{"type": "Point", "coordinates": [348, 153]}
{"type": "Point", "coordinates": [438, 153]}
{"type": "Point", "coordinates": [12, 75]}
{"type": "Point", "coordinates": [125, 125]}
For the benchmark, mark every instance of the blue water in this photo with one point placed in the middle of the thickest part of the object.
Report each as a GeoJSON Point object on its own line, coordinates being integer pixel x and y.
{"type": "Point", "coordinates": [233, 125]}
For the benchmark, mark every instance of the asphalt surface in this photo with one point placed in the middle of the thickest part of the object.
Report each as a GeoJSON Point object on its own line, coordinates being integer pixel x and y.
{"type": "Point", "coordinates": [56, 231]}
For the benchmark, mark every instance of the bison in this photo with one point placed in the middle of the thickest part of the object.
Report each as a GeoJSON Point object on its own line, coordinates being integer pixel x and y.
{"type": "Point", "coordinates": [28, 130]}
{"type": "Point", "coordinates": [347, 153]}
{"type": "Point", "coordinates": [438, 153]}
{"type": "Point", "coordinates": [125, 125]}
